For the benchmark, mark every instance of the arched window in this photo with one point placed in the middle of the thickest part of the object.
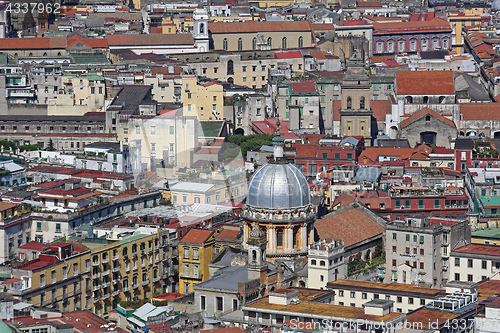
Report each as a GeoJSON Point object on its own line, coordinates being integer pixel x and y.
{"type": "Point", "coordinates": [349, 102]}
{"type": "Point", "coordinates": [322, 263]}
{"type": "Point", "coordinates": [427, 118]}
{"type": "Point", "coordinates": [441, 99]}
{"type": "Point", "coordinates": [254, 43]}
{"type": "Point", "coordinates": [254, 255]}
{"type": "Point", "coordinates": [313, 262]}
{"type": "Point", "coordinates": [270, 42]}
{"type": "Point", "coordinates": [202, 28]}
{"type": "Point", "coordinates": [409, 99]}
{"type": "Point", "coordinates": [426, 99]}
{"type": "Point", "coordinates": [230, 67]}
{"type": "Point", "coordinates": [283, 43]}
{"type": "Point", "coordinates": [362, 102]}
{"type": "Point", "coordinates": [240, 44]}
{"type": "Point", "coordinates": [301, 42]}
{"type": "Point", "coordinates": [224, 44]}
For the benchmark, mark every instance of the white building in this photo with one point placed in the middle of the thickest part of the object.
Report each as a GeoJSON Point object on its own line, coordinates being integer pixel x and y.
{"type": "Point", "coordinates": [326, 263]}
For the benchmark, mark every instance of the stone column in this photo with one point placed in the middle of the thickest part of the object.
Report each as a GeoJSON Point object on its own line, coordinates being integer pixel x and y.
{"type": "Point", "coordinates": [303, 234]}
{"type": "Point", "coordinates": [289, 238]}
{"type": "Point", "coordinates": [271, 241]}
{"type": "Point", "coordinates": [311, 232]}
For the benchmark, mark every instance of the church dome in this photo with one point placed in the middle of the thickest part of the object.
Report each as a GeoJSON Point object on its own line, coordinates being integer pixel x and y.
{"type": "Point", "coordinates": [495, 6]}
{"type": "Point", "coordinates": [278, 185]}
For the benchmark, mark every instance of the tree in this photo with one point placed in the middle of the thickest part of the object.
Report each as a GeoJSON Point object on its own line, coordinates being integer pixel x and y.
{"type": "Point", "coordinates": [51, 146]}
{"type": "Point", "coordinates": [243, 143]}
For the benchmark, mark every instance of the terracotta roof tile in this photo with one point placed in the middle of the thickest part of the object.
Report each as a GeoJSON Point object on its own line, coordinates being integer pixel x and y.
{"type": "Point", "coordinates": [39, 43]}
{"type": "Point", "coordinates": [411, 26]}
{"type": "Point", "coordinates": [303, 87]}
{"type": "Point", "coordinates": [228, 234]}
{"type": "Point", "coordinates": [150, 39]}
{"type": "Point", "coordinates": [197, 236]}
{"type": "Point", "coordinates": [352, 226]}
{"type": "Point", "coordinates": [363, 4]}
{"type": "Point", "coordinates": [425, 83]}
{"type": "Point", "coordinates": [380, 108]}
{"type": "Point", "coordinates": [33, 245]}
{"type": "Point", "coordinates": [422, 113]}
{"type": "Point", "coordinates": [480, 111]}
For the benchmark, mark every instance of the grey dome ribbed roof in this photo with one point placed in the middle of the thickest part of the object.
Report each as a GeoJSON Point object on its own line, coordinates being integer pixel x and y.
{"type": "Point", "coordinates": [278, 186]}
{"type": "Point", "coordinates": [496, 5]}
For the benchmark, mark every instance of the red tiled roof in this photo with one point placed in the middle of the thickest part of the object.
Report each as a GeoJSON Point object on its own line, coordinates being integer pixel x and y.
{"type": "Point", "coordinates": [287, 55]}
{"type": "Point", "coordinates": [6, 205]}
{"type": "Point", "coordinates": [33, 43]}
{"type": "Point", "coordinates": [11, 281]}
{"type": "Point", "coordinates": [254, 26]}
{"type": "Point", "coordinates": [322, 26]}
{"type": "Point", "coordinates": [438, 24]}
{"type": "Point", "coordinates": [197, 236]}
{"type": "Point", "coordinates": [34, 245]}
{"type": "Point", "coordinates": [150, 39]}
{"type": "Point", "coordinates": [425, 83]}
{"type": "Point", "coordinates": [380, 108]}
{"type": "Point", "coordinates": [480, 111]}
{"type": "Point", "coordinates": [364, 4]}
{"type": "Point", "coordinates": [228, 234]}
{"type": "Point", "coordinates": [90, 42]}
{"type": "Point", "coordinates": [303, 87]}
{"type": "Point", "coordinates": [422, 113]}
{"type": "Point", "coordinates": [352, 226]}
{"type": "Point", "coordinates": [493, 250]}
{"type": "Point", "coordinates": [306, 150]}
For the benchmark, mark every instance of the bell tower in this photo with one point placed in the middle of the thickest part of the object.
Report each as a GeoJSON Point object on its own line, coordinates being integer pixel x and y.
{"type": "Point", "coordinates": [355, 111]}
{"type": "Point", "coordinates": [200, 29]}
{"type": "Point", "coordinates": [257, 264]}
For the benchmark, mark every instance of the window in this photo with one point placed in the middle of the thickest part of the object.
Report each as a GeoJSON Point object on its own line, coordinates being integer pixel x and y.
{"type": "Point", "coordinates": [313, 262]}
{"type": "Point", "coordinates": [394, 249]}
{"type": "Point", "coordinates": [364, 295]}
{"type": "Point", "coordinates": [457, 262]}
{"type": "Point", "coordinates": [394, 263]}
{"type": "Point", "coordinates": [349, 102]}
{"type": "Point", "coordinates": [353, 294]}
{"type": "Point", "coordinates": [254, 43]}
{"type": "Point", "coordinates": [283, 43]}
{"type": "Point", "coordinates": [436, 203]}
{"type": "Point", "coordinates": [301, 42]}
{"type": "Point", "coordinates": [469, 263]}
{"type": "Point", "coordinates": [269, 41]}
{"type": "Point", "coordinates": [398, 206]}
{"type": "Point", "coordinates": [401, 46]}
{"type": "Point", "coordinates": [400, 299]}
{"type": "Point", "coordinates": [240, 44]}
{"type": "Point", "coordinates": [394, 236]}
{"type": "Point", "coordinates": [224, 44]}
{"type": "Point", "coordinates": [470, 277]}
{"type": "Point", "coordinates": [195, 253]}
{"type": "Point", "coordinates": [220, 303]}
{"type": "Point", "coordinates": [341, 293]}
{"type": "Point", "coordinates": [279, 237]}
{"type": "Point", "coordinates": [362, 102]}
{"type": "Point", "coordinates": [484, 264]}
{"type": "Point", "coordinates": [58, 227]}
{"type": "Point", "coordinates": [410, 300]}
{"type": "Point", "coordinates": [39, 226]}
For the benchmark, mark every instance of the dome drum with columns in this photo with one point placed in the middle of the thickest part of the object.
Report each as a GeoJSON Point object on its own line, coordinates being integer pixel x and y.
{"type": "Point", "coordinates": [279, 201]}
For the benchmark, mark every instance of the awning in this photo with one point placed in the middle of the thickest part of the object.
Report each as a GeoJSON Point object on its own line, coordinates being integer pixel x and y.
{"type": "Point", "coordinates": [136, 322]}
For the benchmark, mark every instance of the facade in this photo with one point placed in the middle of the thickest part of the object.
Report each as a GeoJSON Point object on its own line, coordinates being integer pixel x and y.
{"type": "Point", "coordinates": [325, 263]}
{"type": "Point", "coordinates": [406, 297]}
{"type": "Point", "coordinates": [473, 262]}
{"type": "Point", "coordinates": [196, 251]}
{"type": "Point", "coordinates": [418, 249]}
{"type": "Point", "coordinates": [410, 37]}
{"type": "Point", "coordinates": [267, 35]}
{"type": "Point", "coordinates": [209, 193]}
{"type": "Point", "coordinates": [203, 100]}
{"type": "Point", "coordinates": [355, 111]}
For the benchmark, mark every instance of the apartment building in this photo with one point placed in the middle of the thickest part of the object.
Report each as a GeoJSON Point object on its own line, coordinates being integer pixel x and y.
{"type": "Point", "coordinates": [406, 297]}
{"type": "Point", "coordinates": [418, 249]}
{"type": "Point", "coordinates": [474, 262]}
{"type": "Point", "coordinates": [78, 94]}
{"type": "Point", "coordinates": [214, 193]}
{"type": "Point", "coordinates": [122, 266]}
{"type": "Point", "coordinates": [56, 278]}
{"type": "Point", "coordinates": [196, 251]}
{"type": "Point", "coordinates": [204, 100]}
{"type": "Point", "coordinates": [325, 263]}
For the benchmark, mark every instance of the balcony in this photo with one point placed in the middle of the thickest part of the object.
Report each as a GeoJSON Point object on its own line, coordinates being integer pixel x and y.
{"type": "Point", "coordinates": [95, 263]}
{"type": "Point", "coordinates": [116, 293]}
{"type": "Point", "coordinates": [105, 261]}
{"type": "Point", "coordinates": [135, 286]}
{"type": "Point", "coordinates": [117, 257]}
{"type": "Point", "coordinates": [96, 299]}
{"type": "Point", "coordinates": [150, 250]}
{"type": "Point", "coordinates": [106, 284]}
{"type": "Point", "coordinates": [134, 254]}
{"type": "Point", "coordinates": [116, 269]}
{"type": "Point", "coordinates": [87, 269]}
{"type": "Point", "coordinates": [96, 275]}
{"type": "Point", "coordinates": [106, 296]}
{"type": "Point", "coordinates": [157, 260]}
{"type": "Point", "coordinates": [143, 252]}
{"type": "Point", "coordinates": [115, 281]}
{"type": "Point", "coordinates": [105, 273]}
{"type": "Point", "coordinates": [127, 269]}
{"type": "Point", "coordinates": [96, 287]}
{"type": "Point", "coordinates": [143, 265]}
{"type": "Point", "coordinates": [145, 283]}
{"type": "Point", "coordinates": [156, 279]}
{"type": "Point", "coordinates": [126, 289]}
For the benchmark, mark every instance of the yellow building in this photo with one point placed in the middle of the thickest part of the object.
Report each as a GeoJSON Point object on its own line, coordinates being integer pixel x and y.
{"type": "Point", "coordinates": [466, 17]}
{"type": "Point", "coordinates": [122, 269]}
{"type": "Point", "coordinates": [271, 3]}
{"type": "Point", "coordinates": [78, 94]}
{"type": "Point", "coordinates": [202, 100]}
{"type": "Point", "coordinates": [196, 250]}
{"type": "Point", "coordinates": [57, 278]}
{"type": "Point", "coordinates": [182, 24]}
